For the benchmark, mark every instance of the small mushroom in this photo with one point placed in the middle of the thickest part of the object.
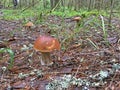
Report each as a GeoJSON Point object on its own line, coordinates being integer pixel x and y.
{"type": "Point", "coordinates": [77, 19]}
{"type": "Point", "coordinates": [46, 44]}
{"type": "Point", "coordinates": [29, 25]}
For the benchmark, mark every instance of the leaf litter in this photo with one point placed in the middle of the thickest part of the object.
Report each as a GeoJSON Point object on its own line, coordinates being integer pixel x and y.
{"type": "Point", "coordinates": [83, 63]}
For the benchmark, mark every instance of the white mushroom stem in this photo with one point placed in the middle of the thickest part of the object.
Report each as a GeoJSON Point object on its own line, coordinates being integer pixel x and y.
{"type": "Point", "coordinates": [46, 60]}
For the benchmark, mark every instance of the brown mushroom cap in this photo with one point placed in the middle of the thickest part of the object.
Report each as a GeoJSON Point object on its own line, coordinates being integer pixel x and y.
{"type": "Point", "coordinates": [46, 44]}
{"type": "Point", "coordinates": [77, 18]}
{"type": "Point", "coordinates": [29, 24]}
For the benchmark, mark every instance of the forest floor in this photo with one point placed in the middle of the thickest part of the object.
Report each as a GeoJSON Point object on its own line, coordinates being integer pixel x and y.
{"type": "Point", "coordinates": [84, 56]}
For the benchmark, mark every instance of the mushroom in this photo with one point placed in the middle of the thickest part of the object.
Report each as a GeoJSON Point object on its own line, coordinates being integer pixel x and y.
{"type": "Point", "coordinates": [46, 44]}
{"type": "Point", "coordinates": [77, 19]}
{"type": "Point", "coordinates": [29, 25]}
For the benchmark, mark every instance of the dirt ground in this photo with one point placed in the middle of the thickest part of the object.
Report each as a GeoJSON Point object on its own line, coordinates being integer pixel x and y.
{"type": "Point", "coordinates": [80, 57]}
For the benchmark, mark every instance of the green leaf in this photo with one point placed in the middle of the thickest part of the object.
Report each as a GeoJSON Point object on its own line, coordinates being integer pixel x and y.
{"type": "Point", "coordinates": [11, 53]}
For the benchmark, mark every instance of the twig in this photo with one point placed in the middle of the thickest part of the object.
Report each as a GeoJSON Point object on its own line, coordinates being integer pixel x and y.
{"type": "Point", "coordinates": [111, 82]}
{"type": "Point", "coordinates": [78, 69]}
{"type": "Point", "coordinates": [93, 43]}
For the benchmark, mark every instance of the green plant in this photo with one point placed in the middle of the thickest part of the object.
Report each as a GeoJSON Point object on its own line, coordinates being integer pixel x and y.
{"type": "Point", "coordinates": [17, 14]}
{"type": "Point", "coordinates": [11, 53]}
{"type": "Point", "coordinates": [69, 36]}
{"type": "Point", "coordinates": [105, 34]}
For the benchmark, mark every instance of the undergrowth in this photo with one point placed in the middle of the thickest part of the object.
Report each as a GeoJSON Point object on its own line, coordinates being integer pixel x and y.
{"type": "Point", "coordinates": [17, 14]}
{"type": "Point", "coordinates": [11, 53]}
